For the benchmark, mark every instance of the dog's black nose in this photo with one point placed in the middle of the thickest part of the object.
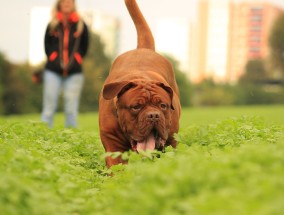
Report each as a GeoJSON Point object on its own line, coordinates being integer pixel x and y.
{"type": "Point", "coordinates": [153, 116]}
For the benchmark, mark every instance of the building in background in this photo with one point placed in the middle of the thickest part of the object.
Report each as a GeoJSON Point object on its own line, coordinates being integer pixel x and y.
{"type": "Point", "coordinates": [212, 40]}
{"type": "Point", "coordinates": [172, 37]}
{"type": "Point", "coordinates": [227, 35]}
{"type": "Point", "coordinates": [217, 46]}
{"type": "Point", "coordinates": [106, 26]}
{"type": "Point", "coordinates": [251, 23]}
{"type": "Point", "coordinates": [38, 23]}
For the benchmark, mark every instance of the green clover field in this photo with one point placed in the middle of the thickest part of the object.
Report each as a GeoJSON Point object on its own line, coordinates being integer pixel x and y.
{"type": "Point", "coordinates": [229, 161]}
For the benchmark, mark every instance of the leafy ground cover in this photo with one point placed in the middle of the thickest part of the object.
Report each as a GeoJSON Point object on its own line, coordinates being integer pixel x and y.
{"type": "Point", "coordinates": [233, 165]}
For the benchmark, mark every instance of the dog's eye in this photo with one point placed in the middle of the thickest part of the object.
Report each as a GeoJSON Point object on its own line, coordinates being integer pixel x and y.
{"type": "Point", "coordinates": [163, 106]}
{"type": "Point", "coordinates": [136, 107]}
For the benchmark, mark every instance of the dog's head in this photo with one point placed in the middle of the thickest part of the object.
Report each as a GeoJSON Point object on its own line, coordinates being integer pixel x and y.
{"type": "Point", "coordinates": [144, 111]}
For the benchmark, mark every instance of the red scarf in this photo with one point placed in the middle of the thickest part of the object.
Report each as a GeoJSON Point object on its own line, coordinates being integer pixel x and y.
{"type": "Point", "coordinates": [73, 17]}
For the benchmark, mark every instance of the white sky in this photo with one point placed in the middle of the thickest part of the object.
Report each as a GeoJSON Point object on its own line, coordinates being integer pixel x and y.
{"type": "Point", "coordinates": [15, 20]}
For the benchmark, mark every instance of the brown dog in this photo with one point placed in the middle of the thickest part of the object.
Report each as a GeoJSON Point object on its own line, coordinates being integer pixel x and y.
{"type": "Point", "coordinates": [139, 105]}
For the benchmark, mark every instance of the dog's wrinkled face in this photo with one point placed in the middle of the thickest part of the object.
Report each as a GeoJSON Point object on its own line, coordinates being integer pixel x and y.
{"type": "Point", "coordinates": [144, 114]}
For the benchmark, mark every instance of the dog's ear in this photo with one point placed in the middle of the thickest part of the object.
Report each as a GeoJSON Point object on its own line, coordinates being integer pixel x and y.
{"type": "Point", "coordinates": [116, 89]}
{"type": "Point", "coordinates": [169, 90]}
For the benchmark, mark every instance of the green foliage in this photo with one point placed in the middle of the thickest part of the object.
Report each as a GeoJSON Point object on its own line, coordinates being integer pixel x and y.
{"type": "Point", "coordinates": [206, 178]}
{"type": "Point", "coordinates": [232, 166]}
{"type": "Point", "coordinates": [207, 115]}
{"type": "Point", "coordinates": [18, 94]}
{"type": "Point", "coordinates": [253, 88]}
{"type": "Point", "coordinates": [210, 94]}
{"type": "Point", "coordinates": [47, 171]}
{"type": "Point", "coordinates": [260, 94]}
{"type": "Point", "coordinates": [13, 91]}
{"type": "Point", "coordinates": [4, 66]}
{"type": "Point", "coordinates": [215, 135]}
{"type": "Point", "coordinates": [96, 69]}
{"type": "Point", "coordinates": [255, 72]}
{"type": "Point", "coordinates": [247, 92]}
{"type": "Point", "coordinates": [183, 83]}
{"type": "Point", "coordinates": [276, 43]}
{"type": "Point", "coordinates": [185, 88]}
{"type": "Point", "coordinates": [28, 95]}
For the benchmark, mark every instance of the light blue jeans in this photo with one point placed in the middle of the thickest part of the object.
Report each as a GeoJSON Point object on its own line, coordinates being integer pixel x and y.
{"type": "Point", "coordinates": [53, 84]}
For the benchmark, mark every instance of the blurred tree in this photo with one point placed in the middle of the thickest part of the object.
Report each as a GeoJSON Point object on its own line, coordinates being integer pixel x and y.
{"type": "Point", "coordinates": [255, 85]}
{"type": "Point", "coordinates": [96, 68]}
{"type": "Point", "coordinates": [13, 95]}
{"type": "Point", "coordinates": [208, 93]}
{"type": "Point", "coordinates": [33, 92]}
{"type": "Point", "coordinates": [255, 72]}
{"type": "Point", "coordinates": [4, 66]}
{"type": "Point", "coordinates": [276, 43]}
{"type": "Point", "coordinates": [182, 82]}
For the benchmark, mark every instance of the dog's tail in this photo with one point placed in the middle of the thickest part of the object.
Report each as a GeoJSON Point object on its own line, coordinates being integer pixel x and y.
{"type": "Point", "coordinates": [145, 38]}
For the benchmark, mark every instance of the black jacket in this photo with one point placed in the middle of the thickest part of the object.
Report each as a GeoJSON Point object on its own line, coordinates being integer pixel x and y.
{"type": "Point", "coordinates": [77, 49]}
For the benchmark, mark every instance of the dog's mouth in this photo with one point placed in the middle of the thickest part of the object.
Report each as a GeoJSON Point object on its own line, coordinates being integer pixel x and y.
{"type": "Point", "coordinates": [151, 142]}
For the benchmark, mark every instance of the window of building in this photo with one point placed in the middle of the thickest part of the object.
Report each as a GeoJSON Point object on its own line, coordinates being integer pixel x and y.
{"type": "Point", "coordinates": [255, 49]}
{"type": "Point", "coordinates": [256, 8]}
{"type": "Point", "coordinates": [256, 18]}
{"type": "Point", "coordinates": [256, 28]}
{"type": "Point", "coordinates": [255, 38]}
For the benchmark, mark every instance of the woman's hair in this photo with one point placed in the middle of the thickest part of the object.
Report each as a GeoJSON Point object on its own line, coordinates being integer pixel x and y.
{"type": "Point", "coordinates": [55, 21]}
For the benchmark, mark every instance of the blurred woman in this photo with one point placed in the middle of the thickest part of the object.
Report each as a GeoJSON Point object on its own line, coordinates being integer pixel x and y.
{"type": "Point", "coordinates": [66, 43]}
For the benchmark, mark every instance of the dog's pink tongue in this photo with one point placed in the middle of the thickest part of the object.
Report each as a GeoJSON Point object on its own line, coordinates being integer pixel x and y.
{"type": "Point", "coordinates": [147, 144]}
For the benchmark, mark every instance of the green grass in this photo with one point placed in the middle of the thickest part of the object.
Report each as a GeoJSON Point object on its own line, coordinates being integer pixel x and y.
{"type": "Point", "coordinates": [230, 160]}
{"type": "Point", "coordinates": [272, 114]}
